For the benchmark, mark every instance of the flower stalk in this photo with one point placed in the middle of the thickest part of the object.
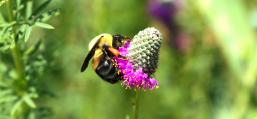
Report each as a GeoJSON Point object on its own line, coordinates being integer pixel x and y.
{"type": "Point", "coordinates": [137, 101]}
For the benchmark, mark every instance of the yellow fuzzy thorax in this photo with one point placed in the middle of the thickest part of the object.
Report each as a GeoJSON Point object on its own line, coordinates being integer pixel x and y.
{"type": "Point", "coordinates": [101, 40]}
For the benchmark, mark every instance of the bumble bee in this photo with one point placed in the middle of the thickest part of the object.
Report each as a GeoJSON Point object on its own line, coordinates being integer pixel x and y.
{"type": "Point", "coordinates": [102, 49]}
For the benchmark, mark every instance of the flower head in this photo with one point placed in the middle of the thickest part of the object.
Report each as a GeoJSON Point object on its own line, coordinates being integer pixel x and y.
{"type": "Point", "coordinates": [132, 77]}
{"type": "Point", "coordinates": [138, 59]}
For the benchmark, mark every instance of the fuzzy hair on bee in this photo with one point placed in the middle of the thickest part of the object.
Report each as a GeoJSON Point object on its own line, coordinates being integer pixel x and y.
{"type": "Point", "coordinates": [102, 49]}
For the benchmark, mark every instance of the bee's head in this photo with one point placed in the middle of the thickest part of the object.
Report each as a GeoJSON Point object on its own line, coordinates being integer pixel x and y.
{"type": "Point", "coordinates": [117, 41]}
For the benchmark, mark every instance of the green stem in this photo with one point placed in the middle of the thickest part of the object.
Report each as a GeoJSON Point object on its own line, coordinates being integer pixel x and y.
{"type": "Point", "coordinates": [16, 54]}
{"type": "Point", "coordinates": [20, 84]}
{"type": "Point", "coordinates": [136, 109]}
{"type": "Point", "coordinates": [9, 9]}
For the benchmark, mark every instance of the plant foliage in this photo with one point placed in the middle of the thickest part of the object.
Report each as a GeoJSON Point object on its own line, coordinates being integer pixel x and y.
{"type": "Point", "coordinates": [22, 60]}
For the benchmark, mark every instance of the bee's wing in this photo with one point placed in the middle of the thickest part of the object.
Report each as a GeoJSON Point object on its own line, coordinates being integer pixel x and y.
{"type": "Point", "coordinates": [87, 59]}
{"type": "Point", "coordinates": [89, 56]}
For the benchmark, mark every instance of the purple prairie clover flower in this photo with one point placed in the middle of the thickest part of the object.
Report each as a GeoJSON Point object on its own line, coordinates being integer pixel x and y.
{"type": "Point", "coordinates": [165, 12]}
{"type": "Point", "coordinates": [133, 78]}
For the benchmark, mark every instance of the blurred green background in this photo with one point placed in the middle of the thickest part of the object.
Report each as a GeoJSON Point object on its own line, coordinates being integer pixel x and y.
{"type": "Point", "coordinates": [207, 67]}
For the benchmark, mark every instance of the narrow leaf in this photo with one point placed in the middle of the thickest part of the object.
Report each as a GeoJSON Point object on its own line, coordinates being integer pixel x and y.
{"type": "Point", "coordinates": [29, 101]}
{"type": "Point", "coordinates": [12, 44]}
{"type": "Point", "coordinates": [31, 50]}
{"type": "Point", "coordinates": [2, 21]}
{"type": "Point", "coordinates": [7, 24]}
{"type": "Point", "coordinates": [4, 93]}
{"type": "Point", "coordinates": [7, 98]}
{"type": "Point", "coordinates": [47, 15]}
{"type": "Point", "coordinates": [44, 25]}
{"type": "Point", "coordinates": [27, 33]}
{"type": "Point", "coordinates": [29, 9]}
{"type": "Point", "coordinates": [16, 107]}
{"type": "Point", "coordinates": [18, 3]}
{"type": "Point", "coordinates": [41, 7]}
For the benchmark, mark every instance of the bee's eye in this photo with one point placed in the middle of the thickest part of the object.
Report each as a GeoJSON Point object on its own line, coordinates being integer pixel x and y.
{"type": "Point", "coordinates": [117, 40]}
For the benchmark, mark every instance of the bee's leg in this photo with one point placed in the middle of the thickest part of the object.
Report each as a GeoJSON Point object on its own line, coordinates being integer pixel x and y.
{"type": "Point", "coordinates": [106, 51]}
{"type": "Point", "coordinates": [110, 51]}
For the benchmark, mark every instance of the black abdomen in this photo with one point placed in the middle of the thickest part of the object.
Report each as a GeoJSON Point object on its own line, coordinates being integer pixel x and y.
{"type": "Point", "coordinates": [107, 71]}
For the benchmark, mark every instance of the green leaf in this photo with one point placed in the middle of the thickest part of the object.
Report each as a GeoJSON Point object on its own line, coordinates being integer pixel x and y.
{"type": "Point", "coordinates": [2, 2]}
{"type": "Point", "coordinates": [6, 92]}
{"type": "Point", "coordinates": [8, 24]}
{"type": "Point", "coordinates": [31, 50]}
{"type": "Point", "coordinates": [19, 8]}
{"type": "Point", "coordinates": [29, 101]}
{"type": "Point", "coordinates": [47, 15]}
{"type": "Point", "coordinates": [29, 9]}
{"type": "Point", "coordinates": [16, 107]}
{"type": "Point", "coordinates": [8, 98]}
{"type": "Point", "coordinates": [127, 117]}
{"type": "Point", "coordinates": [3, 85]}
{"type": "Point", "coordinates": [44, 25]}
{"type": "Point", "coordinates": [18, 3]}
{"type": "Point", "coordinates": [27, 33]}
{"type": "Point", "coordinates": [2, 21]}
{"type": "Point", "coordinates": [41, 7]}
{"type": "Point", "coordinates": [12, 44]}
{"type": "Point", "coordinates": [13, 74]}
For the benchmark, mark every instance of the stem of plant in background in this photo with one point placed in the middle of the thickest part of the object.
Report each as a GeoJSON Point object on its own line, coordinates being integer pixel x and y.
{"type": "Point", "coordinates": [16, 49]}
{"type": "Point", "coordinates": [137, 100]}
{"type": "Point", "coordinates": [27, 60]}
